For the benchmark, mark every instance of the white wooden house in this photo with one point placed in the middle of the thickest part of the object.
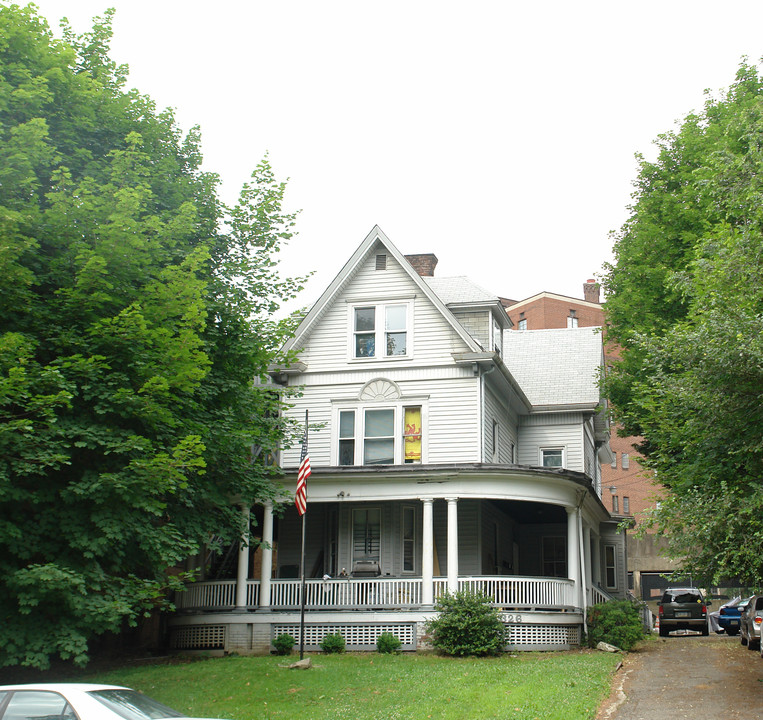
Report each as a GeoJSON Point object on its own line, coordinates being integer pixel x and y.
{"type": "Point", "coordinates": [450, 453]}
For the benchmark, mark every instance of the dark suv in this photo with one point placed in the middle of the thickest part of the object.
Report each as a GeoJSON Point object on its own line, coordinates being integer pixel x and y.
{"type": "Point", "coordinates": [683, 609]}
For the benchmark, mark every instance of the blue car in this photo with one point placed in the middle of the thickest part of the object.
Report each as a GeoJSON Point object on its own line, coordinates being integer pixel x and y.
{"type": "Point", "coordinates": [729, 615]}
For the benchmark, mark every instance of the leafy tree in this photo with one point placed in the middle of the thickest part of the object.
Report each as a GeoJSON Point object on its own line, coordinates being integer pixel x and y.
{"type": "Point", "coordinates": [133, 330]}
{"type": "Point", "coordinates": [686, 304]}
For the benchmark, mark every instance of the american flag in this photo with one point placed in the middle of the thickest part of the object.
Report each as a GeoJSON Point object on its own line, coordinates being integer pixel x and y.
{"type": "Point", "coordinates": [300, 499]}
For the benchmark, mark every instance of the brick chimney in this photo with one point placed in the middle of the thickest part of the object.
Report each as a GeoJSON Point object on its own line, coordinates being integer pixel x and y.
{"type": "Point", "coordinates": [424, 264]}
{"type": "Point", "coordinates": [591, 291]}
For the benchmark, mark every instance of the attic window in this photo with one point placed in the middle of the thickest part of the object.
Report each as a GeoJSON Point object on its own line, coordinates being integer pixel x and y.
{"type": "Point", "coordinates": [381, 262]}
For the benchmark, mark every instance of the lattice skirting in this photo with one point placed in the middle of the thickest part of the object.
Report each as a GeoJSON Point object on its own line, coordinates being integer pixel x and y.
{"type": "Point", "coordinates": [358, 636]}
{"type": "Point", "coordinates": [198, 637]}
{"type": "Point", "coordinates": [540, 637]}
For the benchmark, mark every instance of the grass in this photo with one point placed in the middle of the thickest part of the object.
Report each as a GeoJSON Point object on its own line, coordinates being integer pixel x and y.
{"type": "Point", "coordinates": [546, 686]}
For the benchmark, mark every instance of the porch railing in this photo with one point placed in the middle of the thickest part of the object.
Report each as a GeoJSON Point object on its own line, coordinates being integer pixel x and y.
{"type": "Point", "coordinates": [347, 593]}
{"type": "Point", "coordinates": [597, 595]}
{"type": "Point", "coordinates": [523, 592]}
{"type": "Point", "coordinates": [382, 593]}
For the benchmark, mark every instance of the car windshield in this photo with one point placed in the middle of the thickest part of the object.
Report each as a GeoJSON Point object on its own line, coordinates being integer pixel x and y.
{"type": "Point", "coordinates": [132, 705]}
{"type": "Point", "coordinates": [681, 596]}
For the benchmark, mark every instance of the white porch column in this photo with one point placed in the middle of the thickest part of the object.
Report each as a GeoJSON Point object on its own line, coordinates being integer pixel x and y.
{"type": "Point", "coordinates": [452, 544]}
{"type": "Point", "coordinates": [573, 550]}
{"type": "Point", "coordinates": [266, 571]}
{"type": "Point", "coordinates": [427, 553]}
{"type": "Point", "coordinates": [242, 571]}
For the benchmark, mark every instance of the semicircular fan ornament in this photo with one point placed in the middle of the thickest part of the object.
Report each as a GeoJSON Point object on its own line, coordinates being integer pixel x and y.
{"type": "Point", "coordinates": [380, 390]}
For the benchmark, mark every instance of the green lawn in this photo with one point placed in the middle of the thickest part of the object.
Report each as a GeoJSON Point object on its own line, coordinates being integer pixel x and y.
{"type": "Point", "coordinates": [548, 686]}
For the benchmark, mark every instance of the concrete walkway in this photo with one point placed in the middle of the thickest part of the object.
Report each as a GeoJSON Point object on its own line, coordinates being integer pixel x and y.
{"type": "Point", "coordinates": [689, 676]}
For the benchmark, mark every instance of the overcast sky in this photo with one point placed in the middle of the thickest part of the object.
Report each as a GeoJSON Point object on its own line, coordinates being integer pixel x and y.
{"type": "Point", "coordinates": [499, 136]}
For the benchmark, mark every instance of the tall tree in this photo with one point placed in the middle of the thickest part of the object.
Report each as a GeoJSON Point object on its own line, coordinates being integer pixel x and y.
{"type": "Point", "coordinates": [133, 331]}
{"type": "Point", "coordinates": [685, 300]}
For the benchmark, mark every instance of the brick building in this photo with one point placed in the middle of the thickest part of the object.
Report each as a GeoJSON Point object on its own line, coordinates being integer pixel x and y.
{"type": "Point", "coordinates": [629, 490]}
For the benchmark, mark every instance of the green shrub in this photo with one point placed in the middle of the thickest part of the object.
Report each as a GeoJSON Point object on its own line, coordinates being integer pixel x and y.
{"type": "Point", "coordinates": [616, 622]}
{"type": "Point", "coordinates": [333, 643]}
{"type": "Point", "coordinates": [388, 643]}
{"type": "Point", "coordinates": [283, 644]}
{"type": "Point", "coordinates": [467, 625]}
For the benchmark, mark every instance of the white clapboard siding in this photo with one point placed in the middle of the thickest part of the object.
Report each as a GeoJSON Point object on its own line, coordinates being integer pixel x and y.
{"type": "Point", "coordinates": [563, 430]}
{"type": "Point", "coordinates": [496, 408]}
{"type": "Point", "coordinates": [451, 400]}
{"type": "Point", "coordinates": [432, 339]}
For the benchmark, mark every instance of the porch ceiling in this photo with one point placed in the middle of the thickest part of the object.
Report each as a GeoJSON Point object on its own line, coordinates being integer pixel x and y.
{"type": "Point", "coordinates": [532, 513]}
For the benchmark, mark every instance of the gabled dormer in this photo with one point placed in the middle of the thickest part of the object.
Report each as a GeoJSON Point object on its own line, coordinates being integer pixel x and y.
{"type": "Point", "coordinates": [379, 312]}
{"type": "Point", "coordinates": [480, 312]}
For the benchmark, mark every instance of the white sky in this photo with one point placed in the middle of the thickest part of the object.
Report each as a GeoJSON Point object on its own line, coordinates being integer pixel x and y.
{"type": "Point", "coordinates": [498, 135]}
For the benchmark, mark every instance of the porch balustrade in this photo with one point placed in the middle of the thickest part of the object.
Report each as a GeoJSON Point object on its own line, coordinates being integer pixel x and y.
{"type": "Point", "coordinates": [382, 593]}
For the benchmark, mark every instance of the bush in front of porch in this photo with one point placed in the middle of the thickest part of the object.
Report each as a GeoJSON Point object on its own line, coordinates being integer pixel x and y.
{"type": "Point", "coordinates": [616, 622]}
{"type": "Point", "coordinates": [467, 624]}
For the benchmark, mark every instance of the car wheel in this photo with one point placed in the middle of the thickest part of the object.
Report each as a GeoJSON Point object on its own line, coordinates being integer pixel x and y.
{"type": "Point", "coordinates": [705, 630]}
{"type": "Point", "coordinates": [664, 631]}
{"type": "Point", "coordinates": [753, 644]}
{"type": "Point", "coordinates": [732, 631]}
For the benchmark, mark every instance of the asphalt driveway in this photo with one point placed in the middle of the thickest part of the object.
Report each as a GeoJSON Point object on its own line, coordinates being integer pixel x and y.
{"type": "Point", "coordinates": [689, 676]}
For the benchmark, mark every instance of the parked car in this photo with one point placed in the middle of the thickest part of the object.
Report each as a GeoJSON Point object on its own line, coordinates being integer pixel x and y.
{"type": "Point", "coordinates": [80, 701]}
{"type": "Point", "coordinates": [729, 615]}
{"type": "Point", "coordinates": [683, 609]}
{"type": "Point", "coordinates": [749, 623]}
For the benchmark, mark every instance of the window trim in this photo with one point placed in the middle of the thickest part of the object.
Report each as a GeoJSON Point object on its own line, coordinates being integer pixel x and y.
{"type": "Point", "coordinates": [365, 508]}
{"type": "Point", "coordinates": [380, 329]}
{"type": "Point", "coordinates": [613, 567]}
{"type": "Point", "coordinates": [412, 541]}
{"type": "Point", "coordinates": [552, 448]}
{"type": "Point", "coordinates": [359, 408]}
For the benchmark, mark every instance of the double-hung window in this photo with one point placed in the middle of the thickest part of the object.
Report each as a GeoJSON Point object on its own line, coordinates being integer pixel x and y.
{"type": "Point", "coordinates": [610, 567]}
{"type": "Point", "coordinates": [554, 556]}
{"type": "Point", "coordinates": [366, 534]}
{"type": "Point", "coordinates": [381, 331]}
{"type": "Point", "coordinates": [552, 457]}
{"type": "Point", "coordinates": [380, 435]}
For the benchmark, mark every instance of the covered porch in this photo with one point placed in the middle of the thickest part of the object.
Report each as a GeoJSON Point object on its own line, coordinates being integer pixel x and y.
{"type": "Point", "coordinates": [543, 551]}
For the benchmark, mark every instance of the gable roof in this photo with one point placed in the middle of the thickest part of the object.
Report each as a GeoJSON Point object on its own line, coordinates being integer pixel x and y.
{"type": "Point", "coordinates": [515, 304]}
{"type": "Point", "coordinates": [558, 369]}
{"type": "Point", "coordinates": [348, 272]}
{"type": "Point", "coordinates": [459, 290]}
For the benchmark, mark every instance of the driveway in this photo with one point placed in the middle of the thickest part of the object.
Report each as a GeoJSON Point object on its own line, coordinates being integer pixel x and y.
{"type": "Point", "coordinates": [688, 676]}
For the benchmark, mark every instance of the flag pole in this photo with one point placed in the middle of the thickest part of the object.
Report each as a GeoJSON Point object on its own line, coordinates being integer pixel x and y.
{"type": "Point", "coordinates": [302, 563]}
